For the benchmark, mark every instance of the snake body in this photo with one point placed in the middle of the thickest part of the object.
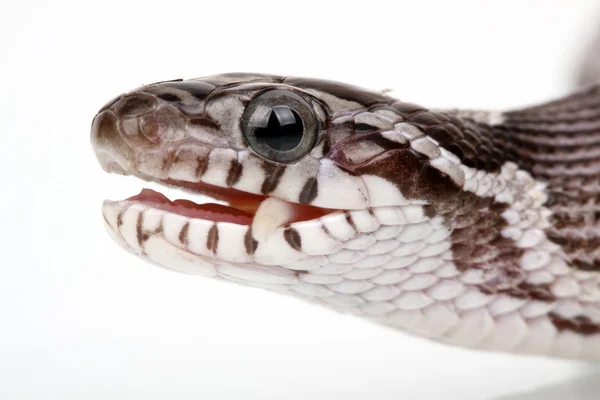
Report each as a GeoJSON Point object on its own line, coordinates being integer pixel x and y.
{"type": "Point", "coordinates": [477, 229]}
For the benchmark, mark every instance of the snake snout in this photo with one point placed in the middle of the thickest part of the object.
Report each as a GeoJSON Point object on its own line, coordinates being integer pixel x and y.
{"type": "Point", "coordinates": [132, 133]}
{"type": "Point", "coordinates": [112, 151]}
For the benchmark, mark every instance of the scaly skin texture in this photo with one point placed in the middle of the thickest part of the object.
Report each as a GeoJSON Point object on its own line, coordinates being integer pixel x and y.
{"type": "Point", "coordinates": [470, 228]}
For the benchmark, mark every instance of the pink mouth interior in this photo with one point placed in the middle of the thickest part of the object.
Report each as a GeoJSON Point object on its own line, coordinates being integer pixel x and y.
{"type": "Point", "coordinates": [240, 210]}
{"type": "Point", "coordinates": [210, 211]}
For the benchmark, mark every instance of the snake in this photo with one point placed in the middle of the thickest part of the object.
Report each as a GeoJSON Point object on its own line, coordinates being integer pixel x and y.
{"type": "Point", "coordinates": [473, 228]}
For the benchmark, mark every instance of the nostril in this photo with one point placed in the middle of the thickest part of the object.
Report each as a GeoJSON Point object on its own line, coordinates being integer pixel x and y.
{"type": "Point", "coordinates": [134, 105]}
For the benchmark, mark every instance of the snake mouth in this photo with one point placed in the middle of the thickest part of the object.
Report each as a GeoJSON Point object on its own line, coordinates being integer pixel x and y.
{"type": "Point", "coordinates": [240, 207]}
{"type": "Point", "coordinates": [207, 211]}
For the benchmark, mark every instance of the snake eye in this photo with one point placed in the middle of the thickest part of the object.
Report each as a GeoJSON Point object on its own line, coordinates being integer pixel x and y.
{"type": "Point", "coordinates": [280, 126]}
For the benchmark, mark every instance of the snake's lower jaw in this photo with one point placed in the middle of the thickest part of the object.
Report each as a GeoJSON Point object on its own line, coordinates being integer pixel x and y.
{"type": "Point", "coordinates": [202, 247]}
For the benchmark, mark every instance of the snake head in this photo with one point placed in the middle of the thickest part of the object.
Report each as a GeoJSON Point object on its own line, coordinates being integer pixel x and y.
{"type": "Point", "coordinates": [302, 165]}
{"type": "Point", "coordinates": [349, 198]}
{"type": "Point", "coordinates": [303, 141]}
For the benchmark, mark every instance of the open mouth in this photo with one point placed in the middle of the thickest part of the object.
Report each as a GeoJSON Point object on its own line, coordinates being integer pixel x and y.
{"type": "Point", "coordinates": [241, 208]}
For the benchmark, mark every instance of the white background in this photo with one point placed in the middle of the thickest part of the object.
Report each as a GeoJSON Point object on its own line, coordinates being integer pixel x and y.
{"type": "Point", "coordinates": [81, 319]}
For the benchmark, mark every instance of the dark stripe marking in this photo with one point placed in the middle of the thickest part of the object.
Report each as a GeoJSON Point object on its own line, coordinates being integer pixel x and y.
{"type": "Point", "coordinates": [362, 127]}
{"type": "Point", "coordinates": [273, 175]}
{"type": "Point", "coordinates": [201, 167]}
{"type": "Point", "coordinates": [204, 122]}
{"type": "Point", "coordinates": [212, 239]}
{"type": "Point", "coordinates": [523, 290]}
{"type": "Point", "coordinates": [249, 243]}
{"type": "Point", "coordinates": [326, 230]}
{"type": "Point", "coordinates": [183, 235]}
{"type": "Point", "coordinates": [169, 97]}
{"type": "Point", "coordinates": [580, 324]}
{"type": "Point", "coordinates": [309, 191]}
{"type": "Point", "coordinates": [234, 174]}
{"type": "Point", "coordinates": [292, 237]}
{"type": "Point", "coordinates": [351, 222]}
{"type": "Point", "coordinates": [138, 229]}
{"type": "Point", "coordinates": [170, 158]}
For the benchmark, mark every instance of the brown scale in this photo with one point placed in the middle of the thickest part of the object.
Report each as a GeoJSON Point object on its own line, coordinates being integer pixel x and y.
{"type": "Point", "coordinates": [475, 221]}
{"type": "Point", "coordinates": [476, 224]}
{"type": "Point", "coordinates": [484, 147]}
{"type": "Point", "coordinates": [474, 144]}
{"type": "Point", "coordinates": [574, 197]}
{"type": "Point", "coordinates": [580, 324]}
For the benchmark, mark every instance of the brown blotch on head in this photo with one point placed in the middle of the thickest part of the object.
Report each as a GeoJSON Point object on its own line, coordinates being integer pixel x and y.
{"type": "Point", "coordinates": [399, 167]}
{"type": "Point", "coordinates": [203, 122]}
{"type": "Point", "coordinates": [357, 151]}
{"type": "Point", "coordinates": [341, 128]}
{"type": "Point", "coordinates": [170, 97]}
{"type": "Point", "coordinates": [399, 142]}
{"type": "Point", "coordinates": [212, 239]}
{"type": "Point", "coordinates": [434, 186]}
{"type": "Point", "coordinates": [292, 237]}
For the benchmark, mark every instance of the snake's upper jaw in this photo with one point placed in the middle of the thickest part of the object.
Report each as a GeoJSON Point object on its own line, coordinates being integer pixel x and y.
{"type": "Point", "coordinates": [143, 135]}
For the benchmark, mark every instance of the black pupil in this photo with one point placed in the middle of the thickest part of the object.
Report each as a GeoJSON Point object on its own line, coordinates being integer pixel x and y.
{"type": "Point", "coordinates": [281, 129]}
